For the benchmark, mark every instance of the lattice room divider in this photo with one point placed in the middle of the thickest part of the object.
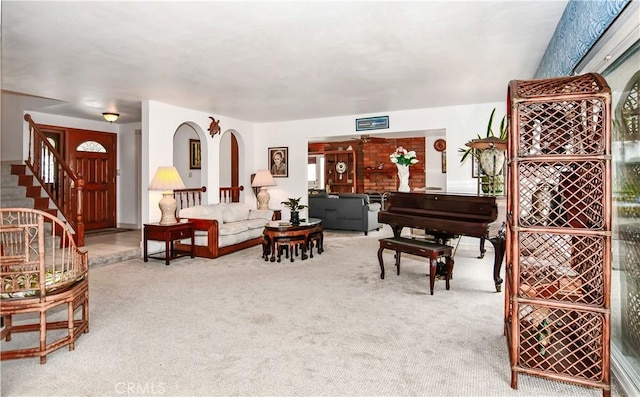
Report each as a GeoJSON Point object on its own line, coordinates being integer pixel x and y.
{"type": "Point", "coordinates": [557, 309]}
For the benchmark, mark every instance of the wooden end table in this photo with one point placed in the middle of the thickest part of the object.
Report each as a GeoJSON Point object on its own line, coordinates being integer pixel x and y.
{"type": "Point", "coordinates": [168, 234]}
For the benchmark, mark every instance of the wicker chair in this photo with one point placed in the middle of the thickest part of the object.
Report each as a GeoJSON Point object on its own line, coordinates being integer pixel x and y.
{"type": "Point", "coordinates": [40, 269]}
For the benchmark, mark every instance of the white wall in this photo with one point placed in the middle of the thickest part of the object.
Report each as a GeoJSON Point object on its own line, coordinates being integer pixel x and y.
{"type": "Point", "coordinates": [161, 121]}
{"type": "Point", "coordinates": [159, 124]}
{"type": "Point", "coordinates": [128, 175]}
{"type": "Point", "coordinates": [12, 138]}
{"type": "Point", "coordinates": [462, 123]}
{"type": "Point", "coordinates": [433, 168]}
{"type": "Point", "coordinates": [181, 151]}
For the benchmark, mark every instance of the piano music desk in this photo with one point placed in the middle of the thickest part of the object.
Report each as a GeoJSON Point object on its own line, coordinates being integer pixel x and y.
{"type": "Point", "coordinates": [424, 249]}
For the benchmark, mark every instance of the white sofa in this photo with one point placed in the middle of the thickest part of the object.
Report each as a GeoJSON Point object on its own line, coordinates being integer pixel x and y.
{"type": "Point", "coordinates": [224, 228]}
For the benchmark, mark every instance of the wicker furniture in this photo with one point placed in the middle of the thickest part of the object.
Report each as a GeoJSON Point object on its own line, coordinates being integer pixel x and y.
{"type": "Point", "coordinates": [168, 234]}
{"type": "Point", "coordinates": [557, 309]}
{"type": "Point", "coordinates": [37, 277]}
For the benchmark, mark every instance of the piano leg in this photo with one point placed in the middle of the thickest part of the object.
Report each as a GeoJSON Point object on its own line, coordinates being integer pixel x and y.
{"type": "Point", "coordinates": [482, 250]}
{"type": "Point", "coordinates": [499, 247]}
{"type": "Point", "coordinates": [381, 262]}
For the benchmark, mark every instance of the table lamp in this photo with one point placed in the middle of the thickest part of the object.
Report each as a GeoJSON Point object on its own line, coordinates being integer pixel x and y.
{"type": "Point", "coordinates": [263, 179]}
{"type": "Point", "coordinates": [167, 179]}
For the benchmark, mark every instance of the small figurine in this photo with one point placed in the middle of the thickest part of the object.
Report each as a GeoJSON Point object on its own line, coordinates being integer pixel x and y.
{"type": "Point", "coordinates": [214, 127]}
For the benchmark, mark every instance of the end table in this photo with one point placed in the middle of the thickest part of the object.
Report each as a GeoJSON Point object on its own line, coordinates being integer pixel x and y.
{"type": "Point", "coordinates": [168, 234]}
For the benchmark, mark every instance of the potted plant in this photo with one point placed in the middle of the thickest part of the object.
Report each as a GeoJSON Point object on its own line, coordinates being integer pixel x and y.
{"type": "Point", "coordinates": [491, 179]}
{"type": "Point", "coordinates": [294, 207]}
{"type": "Point", "coordinates": [489, 134]}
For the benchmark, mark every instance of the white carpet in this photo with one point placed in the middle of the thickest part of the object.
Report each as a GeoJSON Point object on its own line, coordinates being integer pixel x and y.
{"type": "Point", "coordinates": [327, 326]}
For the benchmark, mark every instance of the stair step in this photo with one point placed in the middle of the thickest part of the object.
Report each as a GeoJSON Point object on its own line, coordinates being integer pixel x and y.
{"type": "Point", "coordinates": [18, 169]}
{"type": "Point", "coordinates": [8, 179]}
{"type": "Point", "coordinates": [5, 167]}
{"type": "Point", "coordinates": [41, 203]}
{"type": "Point", "coordinates": [12, 192]}
{"type": "Point", "coordinates": [17, 203]}
{"type": "Point", "coordinates": [34, 191]}
{"type": "Point", "coordinates": [25, 180]}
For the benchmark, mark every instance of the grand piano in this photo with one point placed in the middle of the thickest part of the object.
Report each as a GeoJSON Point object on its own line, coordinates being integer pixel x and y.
{"type": "Point", "coordinates": [446, 216]}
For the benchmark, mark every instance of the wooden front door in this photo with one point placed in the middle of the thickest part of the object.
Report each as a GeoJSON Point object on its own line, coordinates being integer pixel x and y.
{"type": "Point", "coordinates": [92, 155]}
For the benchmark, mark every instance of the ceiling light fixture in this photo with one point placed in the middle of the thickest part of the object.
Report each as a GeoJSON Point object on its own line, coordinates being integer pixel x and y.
{"type": "Point", "coordinates": [110, 117]}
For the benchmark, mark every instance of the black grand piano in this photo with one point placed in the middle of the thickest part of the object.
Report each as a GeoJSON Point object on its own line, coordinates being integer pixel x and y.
{"type": "Point", "coordinates": [445, 216]}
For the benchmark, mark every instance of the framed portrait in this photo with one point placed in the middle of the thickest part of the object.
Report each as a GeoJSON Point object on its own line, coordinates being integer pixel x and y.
{"type": "Point", "coordinates": [195, 159]}
{"type": "Point", "coordinates": [279, 162]}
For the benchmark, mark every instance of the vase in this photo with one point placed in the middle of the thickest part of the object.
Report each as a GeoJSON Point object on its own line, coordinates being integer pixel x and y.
{"type": "Point", "coordinates": [295, 218]}
{"type": "Point", "coordinates": [403, 176]}
{"type": "Point", "coordinates": [492, 161]}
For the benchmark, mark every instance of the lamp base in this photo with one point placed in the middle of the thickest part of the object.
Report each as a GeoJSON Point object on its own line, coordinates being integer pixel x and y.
{"type": "Point", "coordinates": [168, 207]}
{"type": "Point", "coordinates": [263, 199]}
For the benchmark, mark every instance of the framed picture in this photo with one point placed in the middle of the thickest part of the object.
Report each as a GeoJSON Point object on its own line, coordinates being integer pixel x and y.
{"type": "Point", "coordinates": [279, 162]}
{"type": "Point", "coordinates": [372, 123]}
{"type": "Point", "coordinates": [195, 160]}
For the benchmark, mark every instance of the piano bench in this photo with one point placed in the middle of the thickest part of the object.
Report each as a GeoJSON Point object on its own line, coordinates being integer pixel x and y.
{"type": "Point", "coordinates": [421, 248]}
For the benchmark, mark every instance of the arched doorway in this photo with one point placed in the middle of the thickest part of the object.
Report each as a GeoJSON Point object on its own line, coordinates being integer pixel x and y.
{"type": "Point", "coordinates": [229, 162]}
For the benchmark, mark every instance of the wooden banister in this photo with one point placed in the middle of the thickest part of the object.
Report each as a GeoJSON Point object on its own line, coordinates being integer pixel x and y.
{"type": "Point", "coordinates": [188, 197]}
{"type": "Point", "coordinates": [230, 194]}
{"type": "Point", "coordinates": [60, 182]}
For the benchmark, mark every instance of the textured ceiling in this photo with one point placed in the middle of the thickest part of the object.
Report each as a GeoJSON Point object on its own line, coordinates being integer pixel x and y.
{"type": "Point", "coordinates": [270, 61]}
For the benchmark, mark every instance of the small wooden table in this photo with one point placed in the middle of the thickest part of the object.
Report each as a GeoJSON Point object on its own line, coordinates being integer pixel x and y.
{"type": "Point", "coordinates": [278, 233]}
{"type": "Point", "coordinates": [168, 234]}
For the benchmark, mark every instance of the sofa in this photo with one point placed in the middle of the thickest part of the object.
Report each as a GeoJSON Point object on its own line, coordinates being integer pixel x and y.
{"type": "Point", "coordinates": [344, 211]}
{"type": "Point", "coordinates": [224, 228]}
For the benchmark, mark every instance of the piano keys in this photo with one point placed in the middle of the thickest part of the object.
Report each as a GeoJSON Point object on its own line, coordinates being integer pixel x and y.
{"type": "Point", "coordinates": [446, 216]}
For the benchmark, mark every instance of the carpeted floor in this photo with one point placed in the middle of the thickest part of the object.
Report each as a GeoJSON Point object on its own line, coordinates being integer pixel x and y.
{"type": "Point", "coordinates": [327, 326]}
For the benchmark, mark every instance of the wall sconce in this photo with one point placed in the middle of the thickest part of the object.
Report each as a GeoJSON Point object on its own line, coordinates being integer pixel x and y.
{"type": "Point", "coordinates": [263, 179]}
{"type": "Point", "coordinates": [167, 179]}
{"type": "Point", "coordinates": [110, 117]}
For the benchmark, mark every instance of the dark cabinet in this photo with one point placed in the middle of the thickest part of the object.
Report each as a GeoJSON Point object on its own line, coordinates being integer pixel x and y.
{"type": "Point", "coordinates": [340, 171]}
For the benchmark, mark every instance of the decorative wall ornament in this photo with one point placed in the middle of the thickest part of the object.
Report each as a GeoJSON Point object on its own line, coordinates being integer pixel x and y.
{"type": "Point", "coordinates": [214, 127]}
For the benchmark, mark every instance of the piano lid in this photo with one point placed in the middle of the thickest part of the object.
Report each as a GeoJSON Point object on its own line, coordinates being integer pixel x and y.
{"type": "Point", "coordinates": [458, 206]}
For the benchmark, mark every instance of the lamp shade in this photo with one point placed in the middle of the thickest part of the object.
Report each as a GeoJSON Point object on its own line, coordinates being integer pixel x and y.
{"type": "Point", "coordinates": [263, 178]}
{"type": "Point", "coordinates": [166, 178]}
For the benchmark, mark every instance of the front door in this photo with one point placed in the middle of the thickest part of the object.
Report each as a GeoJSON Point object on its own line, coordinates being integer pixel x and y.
{"type": "Point", "coordinates": [92, 155]}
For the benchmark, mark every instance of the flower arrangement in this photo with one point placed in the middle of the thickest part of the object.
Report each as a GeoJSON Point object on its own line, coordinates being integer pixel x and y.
{"type": "Point", "coordinates": [403, 157]}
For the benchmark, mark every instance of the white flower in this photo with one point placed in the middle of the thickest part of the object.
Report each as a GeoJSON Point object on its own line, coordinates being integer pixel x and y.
{"type": "Point", "coordinates": [403, 157]}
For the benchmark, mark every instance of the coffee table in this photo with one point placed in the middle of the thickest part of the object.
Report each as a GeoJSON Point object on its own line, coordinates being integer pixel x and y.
{"type": "Point", "coordinates": [279, 234]}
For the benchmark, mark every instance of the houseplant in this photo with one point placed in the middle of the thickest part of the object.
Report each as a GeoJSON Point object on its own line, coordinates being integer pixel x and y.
{"type": "Point", "coordinates": [294, 207]}
{"type": "Point", "coordinates": [503, 134]}
{"type": "Point", "coordinates": [488, 152]}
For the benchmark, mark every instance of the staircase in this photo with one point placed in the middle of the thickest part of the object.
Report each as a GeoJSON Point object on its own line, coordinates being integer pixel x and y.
{"type": "Point", "coordinates": [19, 189]}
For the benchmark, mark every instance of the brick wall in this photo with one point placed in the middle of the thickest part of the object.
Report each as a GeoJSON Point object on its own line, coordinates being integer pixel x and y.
{"type": "Point", "coordinates": [375, 152]}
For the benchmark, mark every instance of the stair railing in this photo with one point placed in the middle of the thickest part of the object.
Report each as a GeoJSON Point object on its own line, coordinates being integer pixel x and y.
{"type": "Point", "coordinates": [60, 182]}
